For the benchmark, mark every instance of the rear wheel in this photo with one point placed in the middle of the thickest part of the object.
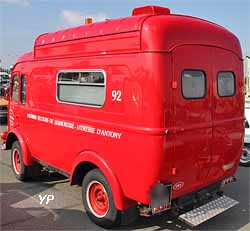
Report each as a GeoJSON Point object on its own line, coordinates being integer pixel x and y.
{"type": "Point", "coordinates": [245, 157]}
{"type": "Point", "coordinates": [98, 200]}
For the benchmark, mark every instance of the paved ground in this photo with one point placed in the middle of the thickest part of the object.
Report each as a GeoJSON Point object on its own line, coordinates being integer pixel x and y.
{"type": "Point", "coordinates": [20, 208]}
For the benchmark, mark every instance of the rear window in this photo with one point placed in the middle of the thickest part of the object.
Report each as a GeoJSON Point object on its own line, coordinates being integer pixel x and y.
{"type": "Point", "coordinates": [226, 84]}
{"type": "Point", "coordinates": [193, 84]}
{"type": "Point", "coordinates": [81, 87]}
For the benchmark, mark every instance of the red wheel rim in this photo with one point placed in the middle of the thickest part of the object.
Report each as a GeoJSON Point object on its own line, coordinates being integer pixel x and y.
{"type": "Point", "coordinates": [16, 161]}
{"type": "Point", "coordinates": [97, 199]}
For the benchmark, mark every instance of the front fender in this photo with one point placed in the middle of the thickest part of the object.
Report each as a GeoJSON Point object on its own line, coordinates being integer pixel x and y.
{"type": "Point", "coordinates": [121, 202]}
{"type": "Point", "coordinates": [27, 159]}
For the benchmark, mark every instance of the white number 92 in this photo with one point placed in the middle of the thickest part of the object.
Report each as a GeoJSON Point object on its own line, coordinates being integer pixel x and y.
{"type": "Point", "coordinates": [117, 95]}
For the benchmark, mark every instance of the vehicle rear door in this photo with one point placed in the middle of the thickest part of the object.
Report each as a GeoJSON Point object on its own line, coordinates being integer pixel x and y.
{"type": "Point", "coordinates": [228, 106]}
{"type": "Point", "coordinates": [192, 100]}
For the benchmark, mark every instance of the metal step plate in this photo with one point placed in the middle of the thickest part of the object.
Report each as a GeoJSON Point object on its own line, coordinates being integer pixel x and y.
{"type": "Point", "coordinates": [207, 211]}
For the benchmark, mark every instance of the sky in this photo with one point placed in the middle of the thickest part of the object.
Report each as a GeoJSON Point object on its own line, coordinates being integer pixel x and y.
{"type": "Point", "coordinates": [21, 21]}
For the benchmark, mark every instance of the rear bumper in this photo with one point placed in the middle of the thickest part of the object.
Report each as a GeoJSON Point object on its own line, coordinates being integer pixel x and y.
{"type": "Point", "coordinates": [202, 195]}
{"type": "Point", "coordinates": [161, 198]}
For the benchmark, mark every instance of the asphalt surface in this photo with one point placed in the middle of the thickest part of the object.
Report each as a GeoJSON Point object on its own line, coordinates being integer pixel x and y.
{"type": "Point", "coordinates": [21, 209]}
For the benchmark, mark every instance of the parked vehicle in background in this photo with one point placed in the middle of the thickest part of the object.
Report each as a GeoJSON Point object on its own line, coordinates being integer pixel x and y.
{"type": "Point", "coordinates": [4, 83]}
{"type": "Point", "coordinates": [245, 157]}
{"type": "Point", "coordinates": [145, 113]}
{"type": "Point", "coordinates": [3, 110]}
{"type": "Point", "coordinates": [6, 92]}
{"type": "Point", "coordinates": [4, 77]}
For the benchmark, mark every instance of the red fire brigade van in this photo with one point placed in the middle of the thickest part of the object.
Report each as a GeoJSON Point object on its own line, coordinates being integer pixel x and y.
{"type": "Point", "coordinates": [144, 112]}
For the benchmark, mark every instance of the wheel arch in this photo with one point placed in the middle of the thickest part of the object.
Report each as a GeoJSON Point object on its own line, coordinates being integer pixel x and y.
{"type": "Point", "coordinates": [15, 135]}
{"type": "Point", "coordinates": [89, 160]}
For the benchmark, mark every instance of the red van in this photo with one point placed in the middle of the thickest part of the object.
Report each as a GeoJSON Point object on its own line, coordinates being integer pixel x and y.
{"type": "Point", "coordinates": [144, 112]}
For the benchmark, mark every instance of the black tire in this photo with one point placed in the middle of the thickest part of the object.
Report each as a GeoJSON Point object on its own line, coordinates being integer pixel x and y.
{"type": "Point", "coordinates": [111, 217]}
{"type": "Point", "coordinates": [23, 173]}
{"type": "Point", "coordinates": [245, 157]}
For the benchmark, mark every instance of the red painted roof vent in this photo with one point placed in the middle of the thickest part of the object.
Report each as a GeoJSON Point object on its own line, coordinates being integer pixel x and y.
{"type": "Point", "coordinates": [155, 10]}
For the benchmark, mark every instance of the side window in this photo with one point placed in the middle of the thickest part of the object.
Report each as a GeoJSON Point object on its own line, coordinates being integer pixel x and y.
{"type": "Point", "coordinates": [23, 89]}
{"type": "Point", "coordinates": [81, 87]}
{"type": "Point", "coordinates": [226, 84]}
{"type": "Point", "coordinates": [193, 84]}
{"type": "Point", "coordinates": [15, 89]}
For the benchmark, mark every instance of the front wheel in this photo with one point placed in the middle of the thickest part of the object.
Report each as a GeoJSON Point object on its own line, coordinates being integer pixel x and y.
{"type": "Point", "coordinates": [98, 200]}
{"type": "Point", "coordinates": [245, 157]}
{"type": "Point", "coordinates": [19, 169]}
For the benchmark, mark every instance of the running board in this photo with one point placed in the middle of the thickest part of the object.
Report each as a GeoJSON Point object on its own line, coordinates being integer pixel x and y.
{"type": "Point", "coordinates": [207, 211]}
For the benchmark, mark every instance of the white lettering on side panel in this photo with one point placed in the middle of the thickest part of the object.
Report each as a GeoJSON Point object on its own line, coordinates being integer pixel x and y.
{"type": "Point", "coordinates": [86, 128]}
{"type": "Point", "coordinates": [111, 134]}
{"type": "Point", "coordinates": [32, 116]}
{"type": "Point", "coordinates": [75, 126]}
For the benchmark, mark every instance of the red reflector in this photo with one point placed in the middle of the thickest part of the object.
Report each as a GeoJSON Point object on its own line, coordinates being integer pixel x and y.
{"type": "Point", "coordinates": [156, 10]}
{"type": "Point", "coordinates": [173, 171]}
{"type": "Point", "coordinates": [174, 84]}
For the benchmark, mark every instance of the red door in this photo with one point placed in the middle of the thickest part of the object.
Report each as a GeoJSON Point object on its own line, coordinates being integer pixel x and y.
{"type": "Point", "coordinates": [192, 117]}
{"type": "Point", "coordinates": [14, 101]}
{"type": "Point", "coordinates": [228, 111]}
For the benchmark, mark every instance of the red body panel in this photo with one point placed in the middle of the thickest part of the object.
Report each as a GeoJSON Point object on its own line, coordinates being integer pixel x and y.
{"type": "Point", "coordinates": [164, 137]}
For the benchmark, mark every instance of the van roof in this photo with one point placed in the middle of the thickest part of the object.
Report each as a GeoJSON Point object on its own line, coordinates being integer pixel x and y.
{"type": "Point", "coordinates": [108, 27]}
{"type": "Point", "coordinates": [150, 28]}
